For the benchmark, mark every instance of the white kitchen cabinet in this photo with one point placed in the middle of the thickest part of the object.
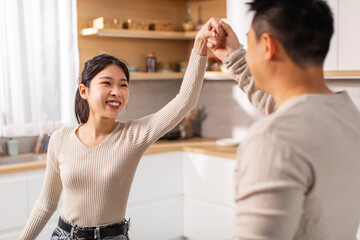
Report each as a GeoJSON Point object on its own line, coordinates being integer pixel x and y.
{"type": "Point", "coordinates": [174, 195]}
{"type": "Point", "coordinates": [13, 203]}
{"type": "Point", "coordinates": [206, 220]}
{"type": "Point", "coordinates": [155, 201]}
{"type": "Point", "coordinates": [331, 60]}
{"type": "Point", "coordinates": [158, 176]}
{"type": "Point", "coordinates": [349, 35]}
{"type": "Point", "coordinates": [161, 219]}
{"type": "Point", "coordinates": [208, 197]}
{"type": "Point", "coordinates": [344, 48]}
{"type": "Point", "coordinates": [21, 191]}
{"type": "Point", "coordinates": [209, 178]}
{"type": "Point", "coordinates": [35, 182]}
{"type": "Point", "coordinates": [239, 18]}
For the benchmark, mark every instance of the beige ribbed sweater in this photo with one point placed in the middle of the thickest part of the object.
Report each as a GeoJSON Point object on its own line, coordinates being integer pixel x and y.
{"type": "Point", "coordinates": [298, 170]}
{"type": "Point", "coordinates": [96, 181]}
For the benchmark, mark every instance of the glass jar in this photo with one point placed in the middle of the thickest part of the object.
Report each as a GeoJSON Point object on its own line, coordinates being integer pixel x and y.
{"type": "Point", "coordinates": [151, 62]}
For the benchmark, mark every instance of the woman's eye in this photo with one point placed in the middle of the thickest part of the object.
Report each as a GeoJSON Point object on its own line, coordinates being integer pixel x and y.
{"type": "Point", "coordinates": [106, 83]}
{"type": "Point", "coordinates": [124, 85]}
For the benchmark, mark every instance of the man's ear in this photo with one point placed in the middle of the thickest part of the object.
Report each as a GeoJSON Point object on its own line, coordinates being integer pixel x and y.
{"type": "Point", "coordinates": [83, 91]}
{"type": "Point", "coordinates": [269, 44]}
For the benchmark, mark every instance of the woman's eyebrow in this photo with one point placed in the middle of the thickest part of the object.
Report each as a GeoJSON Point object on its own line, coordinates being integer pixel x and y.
{"type": "Point", "coordinates": [110, 78]}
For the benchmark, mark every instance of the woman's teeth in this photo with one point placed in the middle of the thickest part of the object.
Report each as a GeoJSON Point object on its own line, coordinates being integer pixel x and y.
{"type": "Point", "coordinates": [115, 104]}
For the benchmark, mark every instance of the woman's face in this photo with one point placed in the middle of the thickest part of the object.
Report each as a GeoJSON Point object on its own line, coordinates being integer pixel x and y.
{"type": "Point", "coordinates": [108, 93]}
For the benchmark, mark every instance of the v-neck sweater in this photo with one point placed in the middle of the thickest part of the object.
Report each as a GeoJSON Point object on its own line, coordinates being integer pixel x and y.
{"type": "Point", "coordinates": [96, 182]}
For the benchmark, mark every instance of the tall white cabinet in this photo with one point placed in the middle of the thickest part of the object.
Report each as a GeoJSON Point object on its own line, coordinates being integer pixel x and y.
{"type": "Point", "coordinates": [344, 49]}
{"type": "Point", "coordinates": [349, 34]}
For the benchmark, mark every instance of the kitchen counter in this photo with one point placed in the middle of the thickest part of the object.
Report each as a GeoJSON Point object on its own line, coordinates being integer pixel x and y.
{"type": "Point", "coordinates": [197, 145]}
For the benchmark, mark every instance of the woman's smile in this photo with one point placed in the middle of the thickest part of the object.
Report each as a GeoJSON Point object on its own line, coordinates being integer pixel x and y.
{"type": "Point", "coordinates": [113, 104]}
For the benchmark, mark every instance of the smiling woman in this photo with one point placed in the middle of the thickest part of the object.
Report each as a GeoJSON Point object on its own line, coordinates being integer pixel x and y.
{"type": "Point", "coordinates": [38, 64]}
{"type": "Point", "coordinates": [94, 163]}
{"type": "Point", "coordinates": [103, 76]}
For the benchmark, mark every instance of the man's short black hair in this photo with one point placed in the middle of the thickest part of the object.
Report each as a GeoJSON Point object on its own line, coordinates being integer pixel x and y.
{"type": "Point", "coordinates": [304, 27]}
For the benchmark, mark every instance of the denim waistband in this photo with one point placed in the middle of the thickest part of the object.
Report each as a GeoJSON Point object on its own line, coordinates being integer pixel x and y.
{"type": "Point", "coordinates": [97, 226]}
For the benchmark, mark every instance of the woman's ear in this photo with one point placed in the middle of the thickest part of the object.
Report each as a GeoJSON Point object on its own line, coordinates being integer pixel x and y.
{"type": "Point", "coordinates": [83, 91]}
{"type": "Point", "coordinates": [270, 48]}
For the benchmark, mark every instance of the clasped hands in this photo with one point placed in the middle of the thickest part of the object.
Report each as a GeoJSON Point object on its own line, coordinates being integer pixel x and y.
{"type": "Point", "coordinates": [219, 37]}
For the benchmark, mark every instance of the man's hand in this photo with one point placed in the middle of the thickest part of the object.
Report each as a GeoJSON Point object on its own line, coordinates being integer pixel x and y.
{"type": "Point", "coordinates": [222, 47]}
{"type": "Point", "coordinates": [211, 29]}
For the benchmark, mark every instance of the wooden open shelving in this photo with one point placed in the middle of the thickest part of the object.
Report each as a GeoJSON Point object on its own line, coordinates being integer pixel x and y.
{"type": "Point", "coordinates": [176, 76]}
{"type": "Point", "coordinates": [342, 74]}
{"type": "Point", "coordinates": [212, 75]}
{"type": "Point", "coordinates": [126, 33]}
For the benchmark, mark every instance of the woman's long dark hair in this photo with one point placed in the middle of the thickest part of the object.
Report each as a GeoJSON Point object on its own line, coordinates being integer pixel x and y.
{"type": "Point", "coordinates": [91, 68]}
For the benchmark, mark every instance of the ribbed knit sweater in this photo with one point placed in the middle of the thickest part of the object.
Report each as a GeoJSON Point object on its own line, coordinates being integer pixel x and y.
{"type": "Point", "coordinates": [298, 170]}
{"type": "Point", "coordinates": [96, 181]}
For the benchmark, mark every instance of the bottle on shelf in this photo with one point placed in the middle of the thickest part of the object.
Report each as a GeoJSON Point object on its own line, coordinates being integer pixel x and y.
{"type": "Point", "coordinates": [151, 62]}
{"type": "Point", "coordinates": [188, 24]}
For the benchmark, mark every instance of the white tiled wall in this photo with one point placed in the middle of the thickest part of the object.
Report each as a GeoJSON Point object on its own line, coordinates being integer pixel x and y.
{"type": "Point", "coordinates": [227, 112]}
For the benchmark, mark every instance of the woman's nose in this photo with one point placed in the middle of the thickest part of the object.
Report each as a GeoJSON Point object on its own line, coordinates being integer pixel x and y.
{"type": "Point", "coordinates": [115, 92]}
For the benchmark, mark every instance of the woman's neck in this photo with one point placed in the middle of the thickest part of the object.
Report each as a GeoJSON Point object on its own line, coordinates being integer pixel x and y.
{"type": "Point", "coordinates": [97, 128]}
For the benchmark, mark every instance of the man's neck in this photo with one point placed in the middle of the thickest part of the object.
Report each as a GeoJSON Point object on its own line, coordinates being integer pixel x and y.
{"type": "Point", "coordinates": [297, 82]}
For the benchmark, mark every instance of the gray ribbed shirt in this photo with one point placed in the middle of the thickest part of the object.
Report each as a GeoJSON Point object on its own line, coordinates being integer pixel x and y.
{"type": "Point", "coordinates": [298, 170]}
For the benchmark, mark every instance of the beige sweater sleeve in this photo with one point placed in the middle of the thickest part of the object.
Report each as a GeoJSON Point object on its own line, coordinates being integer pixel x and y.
{"type": "Point", "coordinates": [236, 65]}
{"type": "Point", "coordinates": [147, 130]}
{"type": "Point", "coordinates": [49, 197]}
{"type": "Point", "coordinates": [271, 182]}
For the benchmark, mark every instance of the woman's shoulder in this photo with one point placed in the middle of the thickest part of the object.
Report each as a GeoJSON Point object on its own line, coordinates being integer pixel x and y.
{"type": "Point", "coordinates": [63, 131]}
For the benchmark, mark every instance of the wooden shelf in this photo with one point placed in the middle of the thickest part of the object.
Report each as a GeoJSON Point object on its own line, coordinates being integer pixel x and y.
{"type": "Point", "coordinates": [156, 76]}
{"type": "Point", "coordinates": [176, 76]}
{"type": "Point", "coordinates": [209, 75]}
{"type": "Point", "coordinates": [125, 33]}
{"type": "Point", "coordinates": [342, 74]}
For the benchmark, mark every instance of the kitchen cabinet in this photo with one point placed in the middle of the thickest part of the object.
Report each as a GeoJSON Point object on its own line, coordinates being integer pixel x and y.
{"type": "Point", "coordinates": [342, 59]}
{"type": "Point", "coordinates": [155, 201]}
{"type": "Point", "coordinates": [208, 197]}
{"type": "Point", "coordinates": [331, 60]}
{"type": "Point", "coordinates": [19, 193]}
{"type": "Point", "coordinates": [174, 195]}
{"type": "Point", "coordinates": [13, 203]}
{"type": "Point", "coordinates": [344, 52]}
{"type": "Point", "coordinates": [349, 34]}
{"type": "Point", "coordinates": [156, 194]}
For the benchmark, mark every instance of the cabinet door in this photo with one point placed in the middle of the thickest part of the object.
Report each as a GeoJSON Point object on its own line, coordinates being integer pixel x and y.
{"type": "Point", "coordinates": [239, 18]}
{"type": "Point", "coordinates": [155, 201]}
{"type": "Point", "coordinates": [349, 35]}
{"type": "Point", "coordinates": [13, 203]}
{"type": "Point", "coordinates": [161, 220]}
{"type": "Point", "coordinates": [204, 220]}
{"type": "Point", "coordinates": [158, 176]}
{"type": "Point", "coordinates": [331, 61]}
{"type": "Point", "coordinates": [35, 183]}
{"type": "Point", "coordinates": [209, 178]}
{"type": "Point", "coordinates": [10, 236]}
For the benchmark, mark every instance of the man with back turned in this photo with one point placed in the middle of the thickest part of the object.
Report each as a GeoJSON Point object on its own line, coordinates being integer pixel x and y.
{"type": "Point", "coordinates": [298, 169]}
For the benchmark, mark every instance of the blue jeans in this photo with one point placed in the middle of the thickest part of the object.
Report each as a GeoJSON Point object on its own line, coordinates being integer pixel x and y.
{"type": "Point", "coordinates": [60, 234]}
